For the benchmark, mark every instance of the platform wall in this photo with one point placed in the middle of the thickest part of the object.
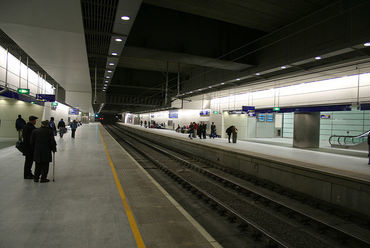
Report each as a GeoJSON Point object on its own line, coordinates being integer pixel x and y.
{"type": "Point", "coordinates": [352, 194]}
{"type": "Point", "coordinates": [9, 111]}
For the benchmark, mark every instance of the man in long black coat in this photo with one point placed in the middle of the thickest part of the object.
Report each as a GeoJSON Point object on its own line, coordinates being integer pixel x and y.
{"type": "Point", "coordinates": [28, 150]}
{"type": "Point", "coordinates": [43, 142]}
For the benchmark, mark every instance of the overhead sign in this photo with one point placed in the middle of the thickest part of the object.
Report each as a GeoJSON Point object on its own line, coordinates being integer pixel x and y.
{"type": "Point", "coordinates": [327, 116]}
{"type": "Point", "coordinates": [45, 97]}
{"type": "Point", "coordinates": [248, 108]}
{"type": "Point", "coordinates": [204, 113]}
{"type": "Point", "coordinates": [262, 117]}
{"type": "Point", "coordinates": [276, 109]}
{"type": "Point", "coordinates": [23, 91]}
{"type": "Point", "coordinates": [270, 117]}
{"type": "Point", "coordinates": [173, 114]}
{"type": "Point", "coordinates": [74, 111]}
{"type": "Point", "coordinates": [54, 104]}
{"type": "Point", "coordinates": [216, 112]}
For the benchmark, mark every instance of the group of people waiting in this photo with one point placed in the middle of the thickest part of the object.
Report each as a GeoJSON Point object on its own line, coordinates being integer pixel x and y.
{"type": "Point", "coordinates": [39, 143]}
{"type": "Point", "coordinates": [199, 129]}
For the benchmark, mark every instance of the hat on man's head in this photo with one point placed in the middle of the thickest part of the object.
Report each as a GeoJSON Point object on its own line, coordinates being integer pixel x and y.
{"type": "Point", "coordinates": [32, 118]}
{"type": "Point", "coordinates": [45, 123]}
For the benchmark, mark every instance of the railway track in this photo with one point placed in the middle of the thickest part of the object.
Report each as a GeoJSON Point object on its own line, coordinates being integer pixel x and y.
{"type": "Point", "coordinates": [271, 219]}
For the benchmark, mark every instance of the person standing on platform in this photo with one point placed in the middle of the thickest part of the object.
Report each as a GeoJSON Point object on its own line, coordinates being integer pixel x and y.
{"type": "Point", "coordinates": [61, 127]}
{"type": "Point", "coordinates": [191, 130]}
{"type": "Point", "coordinates": [52, 126]}
{"type": "Point", "coordinates": [20, 123]}
{"type": "Point", "coordinates": [195, 126]}
{"type": "Point", "coordinates": [28, 149]}
{"type": "Point", "coordinates": [234, 132]}
{"type": "Point", "coordinates": [73, 128]}
{"type": "Point", "coordinates": [213, 130]}
{"type": "Point", "coordinates": [43, 143]}
{"type": "Point", "coordinates": [229, 131]}
{"type": "Point", "coordinates": [204, 130]}
{"type": "Point", "coordinates": [199, 130]}
{"type": "Point", "coordinates": [141, 123]}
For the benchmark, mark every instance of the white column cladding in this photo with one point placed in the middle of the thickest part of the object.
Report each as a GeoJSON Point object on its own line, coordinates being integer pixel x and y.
{"type": "Point", "coordinates": [306, 133]}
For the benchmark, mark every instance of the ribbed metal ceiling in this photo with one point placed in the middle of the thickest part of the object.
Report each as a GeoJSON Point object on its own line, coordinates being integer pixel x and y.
{"type": "Point", "coordinates": [98, 19]}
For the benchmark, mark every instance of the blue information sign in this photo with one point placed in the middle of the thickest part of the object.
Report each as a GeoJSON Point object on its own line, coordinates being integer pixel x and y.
{"type": "Point", "coordinates": [173, 114]}
{"type": "Point", "coordinates": [74, 111]}
{"type": "Point", "coordinates": [270, 118]}
{"type": "Point", "coordinates": [45, 97]}
{"type": "Point", "coordinates": [261, 117]}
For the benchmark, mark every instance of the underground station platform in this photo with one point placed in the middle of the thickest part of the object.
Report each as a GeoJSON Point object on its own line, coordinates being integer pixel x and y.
{"type": "Point", "coordinates": [103, 197]}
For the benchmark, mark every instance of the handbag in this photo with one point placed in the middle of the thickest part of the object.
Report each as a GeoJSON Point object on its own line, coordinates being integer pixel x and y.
{"type": "Point", "coordinates": [20, 146]}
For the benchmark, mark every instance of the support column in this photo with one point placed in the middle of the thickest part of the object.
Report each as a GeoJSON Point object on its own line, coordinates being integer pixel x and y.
{"type": "Point", "coordinates": [306, 130]}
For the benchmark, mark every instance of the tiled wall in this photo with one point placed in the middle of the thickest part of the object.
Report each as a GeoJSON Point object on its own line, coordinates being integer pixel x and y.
{"type": "Point", "coordinates": [352, 123]}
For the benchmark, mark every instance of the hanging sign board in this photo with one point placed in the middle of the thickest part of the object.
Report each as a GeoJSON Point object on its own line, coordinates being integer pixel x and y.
{"type": "Point", "coordinates": [45, 97]}
{"type": "Point", "coordinates": [23, 91]}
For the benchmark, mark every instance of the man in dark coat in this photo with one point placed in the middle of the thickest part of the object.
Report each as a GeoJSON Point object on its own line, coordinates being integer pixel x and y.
{"type": "Point", "coordinates": [43, 142]}
{"type": "Point", "coordinates": [28, 151]}
{"type": "Point", "coordinates": [20, 123]}
{"type": "Point", "coordinates": [52, 126]}
{"type": "Point", "coordinates": [61, 127]}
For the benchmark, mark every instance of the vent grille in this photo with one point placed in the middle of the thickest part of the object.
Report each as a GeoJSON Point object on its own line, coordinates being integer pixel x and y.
{"type": "Point", "coordinates": [98, 19]}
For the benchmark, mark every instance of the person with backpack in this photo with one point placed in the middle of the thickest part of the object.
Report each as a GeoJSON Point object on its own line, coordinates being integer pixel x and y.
{"type": "Point", "coordinates": [73, 128]}
{"type": "Point", "coordinates": [61, 127]}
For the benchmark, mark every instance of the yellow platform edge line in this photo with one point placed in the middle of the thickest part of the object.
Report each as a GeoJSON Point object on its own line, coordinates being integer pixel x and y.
{"type": "Point", "coordinates": [130, 216]}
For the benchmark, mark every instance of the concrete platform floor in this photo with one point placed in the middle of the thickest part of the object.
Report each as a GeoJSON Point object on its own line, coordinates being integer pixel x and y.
{"type": "Point", "coordinates": [341, 164]}
{"type": "Point", "coordinates": [83, 207]}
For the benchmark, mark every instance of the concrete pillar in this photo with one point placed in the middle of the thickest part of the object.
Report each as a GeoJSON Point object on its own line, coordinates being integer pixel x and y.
{"type": "Point", "coordinates": [306, 130]}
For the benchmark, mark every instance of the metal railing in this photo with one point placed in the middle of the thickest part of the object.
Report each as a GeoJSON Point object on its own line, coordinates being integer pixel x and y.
{"type": "Point", "coordinates": [343, 140]}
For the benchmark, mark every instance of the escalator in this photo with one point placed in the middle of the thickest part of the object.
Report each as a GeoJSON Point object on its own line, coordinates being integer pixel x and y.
{"type": "Point", "coordinates": [350, 142]}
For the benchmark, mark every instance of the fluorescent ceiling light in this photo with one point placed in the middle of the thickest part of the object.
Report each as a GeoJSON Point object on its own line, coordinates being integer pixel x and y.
{"type": "Point", "coordinates": [191, 92]}
{"type": "Point", "coordinates": [257, 74]}
{"type": "Point", "coordinates": [111, 63]}
{"type": "Point", "coordinates": [222, 83]}
{"type": "Point", "coordinates": [106, 81]}
{"type": "Point", "coordinates": [209, 86]}
{"type": "Point", "coordinates": [367, 44]}
{"type": "Point", "coordinates": [283, 67]}
{"type": "Point", "coordinates": [199, 89]}
{"type": "Point", "coordinates": [237, 79]}
{"type": "Point", "coordinates": [109, 71]}
{"type": "Point", "coordinates": [118, 39]}
{"type": "Point", "coordinates": [114, 54]}
{"type": "Point", "coordinates": [317, 57]}
{"type": "Point", "coordinates": [107, 76]}
{"type": "Point", "coordinates": [125, 18]}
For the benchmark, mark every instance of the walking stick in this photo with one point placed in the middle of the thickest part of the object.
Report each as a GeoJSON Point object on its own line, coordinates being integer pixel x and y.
{"type": "Point", "coordinates": [53, 166]}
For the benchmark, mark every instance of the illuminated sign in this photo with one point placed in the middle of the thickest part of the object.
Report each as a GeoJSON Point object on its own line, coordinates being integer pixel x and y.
{"type": "Point", "coordinates": [261, 117]}
{"type": "Point", "coordinates": [270, 118]}
{"type": "Point", "coordinates": [74, 111]}
{"type": "Point", "coordinates": [276, 109]}
{"type": "Point", "coordinates": [45, 97]}
{"type": "Point", "coordinates": [216, 112]}
{"type": "Point", "coordinates": [23, 91]}
{"type": "Point", "coordinates": [204, 113]}
{"type": "Point", "coordinates": [173, 114]}
{"type": "Point", "coordinates": [54, 104]}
